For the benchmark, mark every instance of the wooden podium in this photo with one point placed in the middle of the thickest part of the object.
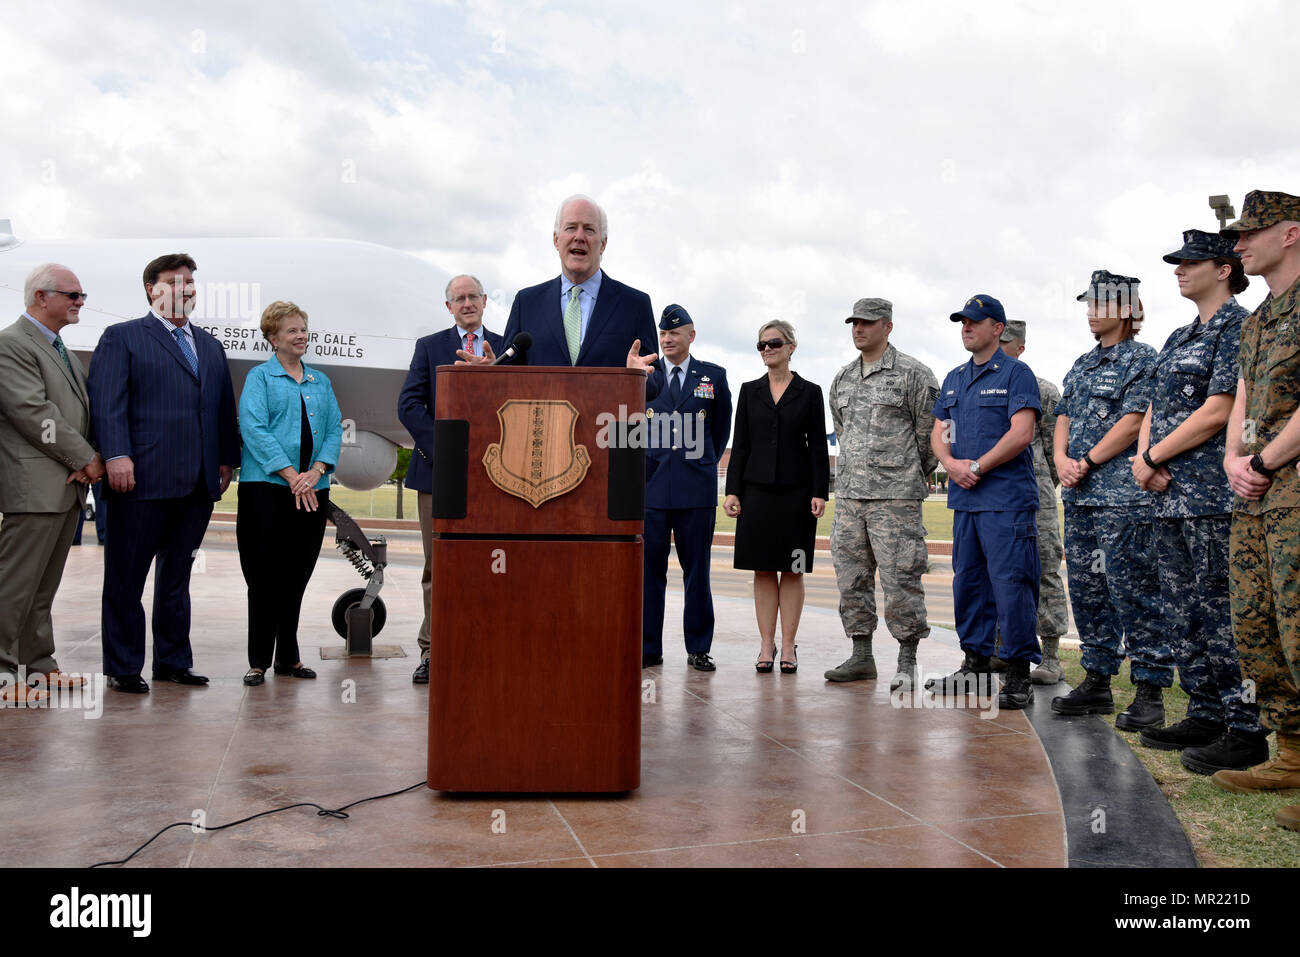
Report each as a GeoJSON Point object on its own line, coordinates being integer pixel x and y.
{"type": "Point", "coordinates": [535, 628]}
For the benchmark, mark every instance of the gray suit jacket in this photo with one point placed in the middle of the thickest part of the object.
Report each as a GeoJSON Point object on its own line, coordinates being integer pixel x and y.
{"type": "Point", "coordinates": [44, 424]}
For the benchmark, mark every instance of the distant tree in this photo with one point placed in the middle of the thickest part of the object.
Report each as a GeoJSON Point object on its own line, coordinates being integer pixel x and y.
{"type": "Point", "coordinates": [399, 475]}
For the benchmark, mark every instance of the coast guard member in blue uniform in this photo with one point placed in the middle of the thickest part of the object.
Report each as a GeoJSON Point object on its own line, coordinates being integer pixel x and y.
{"type": "Point", "coordinates": [688, 423]}
{"type": "Point", "coordinates": [984, 423]}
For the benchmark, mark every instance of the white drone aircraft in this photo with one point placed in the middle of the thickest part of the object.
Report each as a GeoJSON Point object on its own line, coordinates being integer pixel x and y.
{"type": "Point", "coordinates": [366, 304]}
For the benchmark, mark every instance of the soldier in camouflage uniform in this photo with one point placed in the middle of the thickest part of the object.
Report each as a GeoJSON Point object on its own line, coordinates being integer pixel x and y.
{"type": "Point", "coordinates": [1053, 619]}
{"type": "Point", "coordinates": [1109, 530]}
{"type": "Point", "coordinates": [1262, 445]}
{"type": "Point", "coordinates": [880, 404]}
{"type": "Point", "coordinates": [1179, 460]}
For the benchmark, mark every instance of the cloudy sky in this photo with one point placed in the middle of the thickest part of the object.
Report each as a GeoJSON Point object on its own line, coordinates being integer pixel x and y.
{"type": "Point", "coordinates": [757, 160]}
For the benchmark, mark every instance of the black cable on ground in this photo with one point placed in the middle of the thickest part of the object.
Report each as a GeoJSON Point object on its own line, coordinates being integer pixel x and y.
{"type": "Point", "coordinates": [337, 813]}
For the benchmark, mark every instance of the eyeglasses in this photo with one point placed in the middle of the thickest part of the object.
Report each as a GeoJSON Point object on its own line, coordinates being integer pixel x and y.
{"type": "Point", "coordinates": [461, 300]}
{"type": "Point", "coordinates": [771, 344]}
{"type": "Point", "coordinates": [74, 296]}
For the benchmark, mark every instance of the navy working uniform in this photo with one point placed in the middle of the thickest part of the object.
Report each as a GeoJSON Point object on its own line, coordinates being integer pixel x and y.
{"type": "Point", "coordinates": [1109, 535]}
{"type": "Point", "coordinates": [1194, 514]}
{"type": "Point", "coordinates": [995, 564]}
{"type": "Point", "coordinates": [689, 422]}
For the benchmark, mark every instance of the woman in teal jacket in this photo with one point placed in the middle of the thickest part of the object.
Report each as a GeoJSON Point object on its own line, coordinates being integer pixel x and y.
{"type": "Point", "coordinates": [292, 430]}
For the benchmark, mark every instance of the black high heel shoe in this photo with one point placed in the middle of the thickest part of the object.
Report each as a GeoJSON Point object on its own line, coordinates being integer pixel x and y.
{"type": "Point", "coordinates": [764, 667]}
{"type": "Point", "coordinates": [790, 667]}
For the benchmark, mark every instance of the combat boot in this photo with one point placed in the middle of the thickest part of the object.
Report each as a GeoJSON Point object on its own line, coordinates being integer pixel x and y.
{"type": "Point", "coordinates": [974, 677]}
{"type": "Point", "coordinates": [1281, 773]}
{"type": "Point", "coordinates": [1049, 672]}
{"type": "Point", "coordinates": [1017, 690]}
{"type": "Point", "coordinates": [1288, 817]}
{"type": "Point", "coordinates": [858, 667]}
{"type": "Point", "coordinates": [1146, 711]}
{"type": "Point", "coordinates": [1233, 751]}
{"type": "Point", "coordinates": [1188, 733]}
{"type": "Point", "coordinates": [905, 677]}
{"type": "Point", "coordinates": [1091, 697]}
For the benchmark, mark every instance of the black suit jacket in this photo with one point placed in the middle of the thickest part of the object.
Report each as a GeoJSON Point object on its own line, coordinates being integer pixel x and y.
{"type": "Point", "coordinates": [418, 399]}
{"type": "Point", "coordinates": [781, 443]}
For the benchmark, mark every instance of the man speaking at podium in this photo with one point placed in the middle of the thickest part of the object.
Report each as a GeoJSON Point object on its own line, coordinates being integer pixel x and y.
{"type": "Point", "coordinates": [583, 317]}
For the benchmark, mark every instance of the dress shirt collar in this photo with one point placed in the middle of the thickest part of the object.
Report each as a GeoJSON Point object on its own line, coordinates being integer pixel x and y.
{"type": "Point", "coordinates": [171, 327]}
{"type": "Point", "coordinates": [49, 336]}
{"type": "Point", "coordinates": [591, 287]}
{"type": "Point", "coordinates": [685, 366]}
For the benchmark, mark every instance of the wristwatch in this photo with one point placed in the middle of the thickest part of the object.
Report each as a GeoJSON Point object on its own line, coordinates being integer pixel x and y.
{"type": "Point", "coordinates": [1087, 457]}
{"type": "Point", "coordinates": [975, 468]}
{"type": "Point", "coordinates": [1257, 465]}
{"type": "Point", "coordinates": [1146, 457]}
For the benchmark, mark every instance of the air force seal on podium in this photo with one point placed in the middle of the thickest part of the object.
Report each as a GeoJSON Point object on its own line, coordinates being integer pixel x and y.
{"type": "Point", "coordinates": [537, 459]}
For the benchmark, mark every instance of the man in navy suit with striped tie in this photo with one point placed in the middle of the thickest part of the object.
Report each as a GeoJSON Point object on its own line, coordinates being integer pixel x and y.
{"type": "Point", "coordinates": [164, 411]}
{"type": "Point", "coordinates": [415, 408]}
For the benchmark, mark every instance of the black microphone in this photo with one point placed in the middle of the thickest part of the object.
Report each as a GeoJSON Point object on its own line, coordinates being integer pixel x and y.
{"type": "Point", "coordinates": [518, 347]}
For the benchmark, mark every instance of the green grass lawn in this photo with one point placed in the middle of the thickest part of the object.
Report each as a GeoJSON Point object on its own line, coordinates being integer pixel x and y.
{"type": "Point", "coordinates": [1226, 829]}
{"type": "Point", "coordinates": [382, 503]}
{"type": "Point", "coordinates": [934, 513]}
{"type": "Point", "coordinates": [379, 503]}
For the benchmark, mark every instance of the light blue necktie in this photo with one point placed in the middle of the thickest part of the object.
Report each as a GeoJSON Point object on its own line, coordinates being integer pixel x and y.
{"type": "Point", "coordinates": [183, 341]}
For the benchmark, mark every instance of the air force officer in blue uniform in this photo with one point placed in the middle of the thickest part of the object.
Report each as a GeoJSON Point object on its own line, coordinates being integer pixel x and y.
{"type": "Point", "coordinates": [688, 423]}
{"type": "Point", "coordinates": [164, 414]}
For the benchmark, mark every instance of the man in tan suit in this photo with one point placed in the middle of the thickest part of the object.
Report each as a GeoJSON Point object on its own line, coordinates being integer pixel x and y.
{"type": "Point", "coordinates": [48, 464]}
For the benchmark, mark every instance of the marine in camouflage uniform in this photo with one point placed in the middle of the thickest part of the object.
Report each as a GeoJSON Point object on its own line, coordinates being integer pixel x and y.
{"type": "Point", "coordinates": [1109, 531]}
{"type": "Point", "coordinates": [1196, 374]}
{"type": "Point", "coordinates": [1053, 619]}
{"type": "Point", "coordinates": [1263, 442]}
{"type": "Point", "coordinates": [881, 414]}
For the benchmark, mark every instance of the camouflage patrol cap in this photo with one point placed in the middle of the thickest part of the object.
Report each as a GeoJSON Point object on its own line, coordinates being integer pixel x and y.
{"type": "Point", "coordinates": [1015, 330]}
{"type": "Point", "coordinates": [675, 317]}
{"type": "Point", "coordinates": [1262, 209]}
{"type": "Point", "coordinates": [871, 310]}
{"type": "Point", "coordinates": [1106, 285]}
{"type": "Point", "coordinates": [1199, 245]}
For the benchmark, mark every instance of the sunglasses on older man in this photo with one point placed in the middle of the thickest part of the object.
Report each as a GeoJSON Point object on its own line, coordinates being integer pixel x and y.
{"type": "Point", "coordinates": [74, 296]}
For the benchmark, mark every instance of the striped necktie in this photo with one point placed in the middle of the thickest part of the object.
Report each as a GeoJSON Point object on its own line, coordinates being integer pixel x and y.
{"type": "Point", "coordinates": [183, 341]}
{"type": "Point", "coordinates": [573, 324]}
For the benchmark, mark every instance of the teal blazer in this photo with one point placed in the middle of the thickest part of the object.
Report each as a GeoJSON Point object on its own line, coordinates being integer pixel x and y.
{"type": "Point", "coordinates": [270, 422]}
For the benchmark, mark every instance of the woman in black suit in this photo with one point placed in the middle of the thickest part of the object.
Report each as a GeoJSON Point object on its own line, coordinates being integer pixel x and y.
{"type": "Point", "coordinates": [777, 483]}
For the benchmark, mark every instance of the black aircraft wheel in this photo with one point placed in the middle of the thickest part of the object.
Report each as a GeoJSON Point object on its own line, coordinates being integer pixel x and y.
{"type": "Point", "coordinates": [351, 599]}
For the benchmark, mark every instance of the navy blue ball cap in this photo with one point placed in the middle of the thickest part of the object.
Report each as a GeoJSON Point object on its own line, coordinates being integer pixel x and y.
{"type": "Point", "coordinates": [1199, 245]}
{"type": "Point", "coordinates": [980, 307]}
{"type": "Point", "coordinates": [675, 317]}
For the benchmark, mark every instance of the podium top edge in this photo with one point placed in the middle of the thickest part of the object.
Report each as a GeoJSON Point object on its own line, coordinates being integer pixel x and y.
{"type": "Point", "coordinates": [542, 370]}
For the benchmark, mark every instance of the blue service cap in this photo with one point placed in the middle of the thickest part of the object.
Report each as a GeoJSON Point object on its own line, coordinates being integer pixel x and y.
{"type": "Point", "coordinates": [675, 317]}
{"type": "Point", "coordinates": [980, 307]}
{"type": "Point", "coordinates": [1199, 245]}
